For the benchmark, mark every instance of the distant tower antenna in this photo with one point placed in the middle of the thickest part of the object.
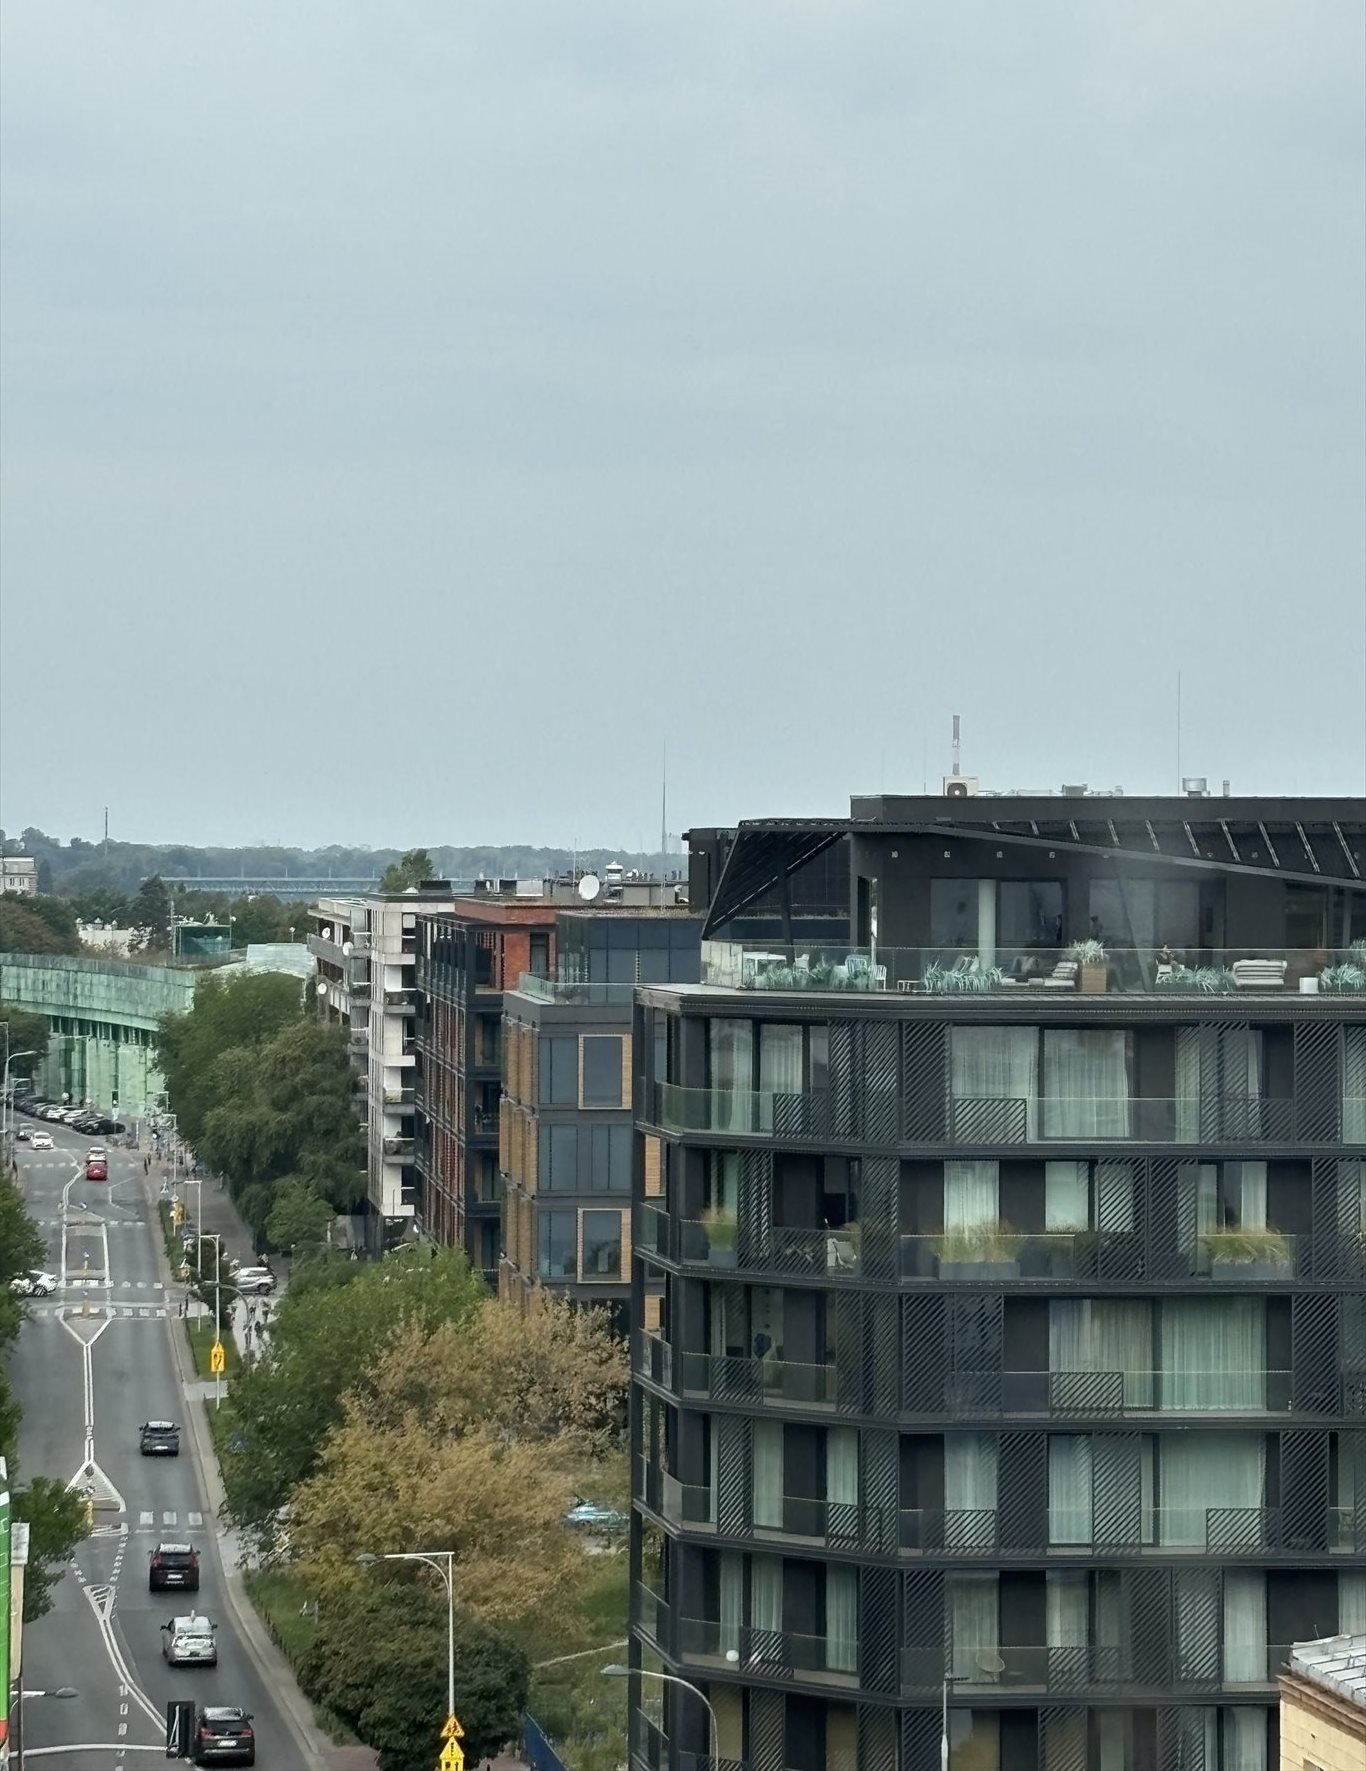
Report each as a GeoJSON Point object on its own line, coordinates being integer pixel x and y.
{"type": "Point", "coordinates": [957, 745]}
{"type": "Point", "coordinates": [664, 805]}
{"type": "Point", "coordinates": [1179, 784]}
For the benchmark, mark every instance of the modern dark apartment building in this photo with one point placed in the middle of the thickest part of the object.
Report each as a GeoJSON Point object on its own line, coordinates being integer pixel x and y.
{"type": "Point", "coordinates": [466, 959]}
{"type": "Point", "coordinates": [1010, 1378]}
{"type": "Point", "coordinates": [567, 1141]}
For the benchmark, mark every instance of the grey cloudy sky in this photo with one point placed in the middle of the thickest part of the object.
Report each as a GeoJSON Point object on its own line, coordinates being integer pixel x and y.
{"type": "Point", "coordinates": [411, 412]}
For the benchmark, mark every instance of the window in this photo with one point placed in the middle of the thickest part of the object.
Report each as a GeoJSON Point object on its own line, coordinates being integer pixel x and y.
{"type": "Point", "coordinates": [602, 1070]}
{"type": "Point", "coordinates": [559, 1159]}
{"type": "Point", "coordinates": [539, 964]}
{"type": "Point", "coordinates": [610, 1170]}
{"type": "Point", "coordinates": [559, 1071]}
{"type": "Point", "coordinates": [557, 1253]}
{"type": "Point", "coordinates": [601, 1244]}
{"type": "Point", "coordinates": [1087, 1083]}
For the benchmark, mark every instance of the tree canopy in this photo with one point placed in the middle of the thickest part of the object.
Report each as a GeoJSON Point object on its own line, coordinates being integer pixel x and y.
{"type": "Point", "coordinates": [323, 1340]}
{"type": "Point", "coordinates": [228, 1013]}
{"type": "Point", "coordinates": [409, 870]}
{"type": "Point", "coordinates": [27, 1033]}
{"type": "Point", "coordinates": [150, 914]}
{"type": "Point", "coordinates": [379, 1663]}
{"type": "Point", "coordinates": [56, 1520]}
{"type": "Point", "coordinates": [26, 929]}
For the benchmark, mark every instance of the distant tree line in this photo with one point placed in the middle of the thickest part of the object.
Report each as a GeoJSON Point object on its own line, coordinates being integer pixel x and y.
{"type": "Point", "coordinates": [78, 869]}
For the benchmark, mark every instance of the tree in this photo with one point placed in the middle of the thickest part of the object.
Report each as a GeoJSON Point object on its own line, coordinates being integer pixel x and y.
{"type": "Point", "coordinates": [299, 1218]}
{"type": "Point", "coordinates": [56, 1522]}
{"type": "Point", "coordinates": [22, 931]}
{"type": "Point", "coordinates": [284, 1110]}
{"type": "Point", "coordinates": [150, 915]}
{"type": "Point", "coordinates": [59, 918]}
{"type": "Point", "coordinates": [229, 1014]}
{"type": "Point", "coordinates": [378, 1661]}
{"type": "Point", "coordinates": [322, 1341]}
{"type": "Point", "coordinates": [27, 1033]}
{"type": "Point", "coordinates": [103, 904]}
{"type": "Point", "coordinates": [409, 870]}
{"type": "Point", "coordinates": [21, 1247]}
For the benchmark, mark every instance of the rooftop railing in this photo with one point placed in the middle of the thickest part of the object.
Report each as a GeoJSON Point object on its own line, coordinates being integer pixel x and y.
{"type": "Point", "coordinates": [552, 990]}
{"type": "Point", "coordinates": [1082, 969]}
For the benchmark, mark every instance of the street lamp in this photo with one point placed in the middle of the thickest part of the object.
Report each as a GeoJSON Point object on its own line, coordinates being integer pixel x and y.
{"type": "Point", "coordinates": [216, 1237]}
{"type": "Point", "coordinates": [949, 1679]}
{"type": "Point", "coordinates": [443, 1561]}
{"type": "Point", "coordinates": [6, 1106]}
{"type": "Point", "coordinates": [624, 1672]}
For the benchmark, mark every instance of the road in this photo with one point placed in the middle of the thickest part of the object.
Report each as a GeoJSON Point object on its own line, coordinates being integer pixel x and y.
{"type": "Point", "coordinates": [86, 1382]}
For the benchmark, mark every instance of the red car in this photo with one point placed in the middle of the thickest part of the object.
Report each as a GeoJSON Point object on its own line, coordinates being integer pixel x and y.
{"type": "Point", "coordinates": [97, 1169]}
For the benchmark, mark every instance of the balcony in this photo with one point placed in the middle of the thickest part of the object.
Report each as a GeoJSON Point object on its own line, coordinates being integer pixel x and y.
{"type": "Point", "coordinates": [400, 1002]}
{"type": "Point", "coordinates": [597, 995]}
{"type": "Point", "coordinates": [763, 1653]}
{"type": "Point", "coordinates": [399, 1097]}
{"type": "Point", "coordinates": [484, 1122]}
{"type": "Point", "coordinates": [1075, 972]}
{"type": "Point", "coordinates": [1084, 1395]}
{"type": "Point", "coordinates": [817, 1115]}
{"type": "Point", "coordinates": [358, 1040]}
{"type": "Point", "coordinates": [399, 1149]}
{"type": "Point", "coordinates": [1001, 1669]}
{"type": "Point", "coordinates": [774, 1383]}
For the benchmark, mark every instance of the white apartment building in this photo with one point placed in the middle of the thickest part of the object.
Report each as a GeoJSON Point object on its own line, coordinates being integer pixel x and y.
{"type": "Point", "coordinates": [19, 875]}
{"type": "Point", "coordinates": [365, 954]}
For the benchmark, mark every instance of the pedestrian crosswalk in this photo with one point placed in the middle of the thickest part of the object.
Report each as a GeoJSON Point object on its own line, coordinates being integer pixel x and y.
{"type": "Point", "coordinates": [115, 1312]}
{"type": "Point", "coordinates": [81, 1218]}
{"type": "Point", "coordinates": [149, 1520]}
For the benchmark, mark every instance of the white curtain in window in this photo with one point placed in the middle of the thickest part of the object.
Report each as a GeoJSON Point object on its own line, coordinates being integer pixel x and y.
{"type": "Point", "coordinates": [1069, 1488]}
{"type": "Point", "coordinates": [972, 1194]}
{"type": "Point", "coordinates": [1197, 1186]}
{"type": "Point", "coordinates": [732, 1599]}
{"type": "Point", "coordinates": [1213, 1353]}
{"type": "Point", "coordinates": [780, 1067]}
{"type": "Point", "coordinates": [1113, 1733]}
{"type": "Point", "coordinates": [723, 1181]}
{"type": "Point", "coordinates": [1188, 1085]}
{"type": "Point", "coordinates": [1109, 1335]}
{"type": "Point", "coordinates": [768, 1474]}
{"type": "Point", "coordinates": [766, 1592]}
{"type": "Point", "coordinates": [1088, 1082]}
{"type": "Point", "coordinates": [1245, 1737]}
{"type": "Point", "coordinates": [1244, 1626]}
{"type": "Point", "coordinates": [1067, 1606]}
{"type": "Point", "coordinates": [841, 1479]}
{"type": "Point", "coordinates": [1348, 1449]}
{"type": "Point", "coordinates": [1067, 1196]}
{"type": "Point", "coordinates": [996, 1064]}
{"type": "Point", "coordinates": [969, 1488]}
{"type": "Point", "coordinates": [973, 1613]}
{"type": "Point", "coordinates": [1250, 1181]}
{"type": "Point", "coordinates": [1201, 1473]}
{"type": "Point", "coordinates": [1352, 1603]}
{"type": "Point", "coordinates": [726, 1320]}
{"type": "Point", "coordinates": [841, 1617]}
{"type": "Point", "coordinates": [731, 1063]}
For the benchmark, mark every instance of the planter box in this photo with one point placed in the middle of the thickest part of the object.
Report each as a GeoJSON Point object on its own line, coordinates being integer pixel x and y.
{"type": "Point", "coordinates": [720, 1257]}
{"type": "Point", "coordinates": [1239, 1272]}
{"type": "Point", "coordinates": [979, 1272]}
{"type": "Point", "coordinates": [1092, 979]}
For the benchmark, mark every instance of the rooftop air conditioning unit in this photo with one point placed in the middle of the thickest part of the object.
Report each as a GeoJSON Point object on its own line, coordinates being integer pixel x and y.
{"type": "Point", "coordinates": [960, 786]}
{"type": "Point", "coordinates": [1195, 786]}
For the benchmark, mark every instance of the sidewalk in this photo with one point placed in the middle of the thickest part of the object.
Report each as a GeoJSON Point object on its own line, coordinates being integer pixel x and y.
{"type": "Point", "coordinates": [210, 1209]}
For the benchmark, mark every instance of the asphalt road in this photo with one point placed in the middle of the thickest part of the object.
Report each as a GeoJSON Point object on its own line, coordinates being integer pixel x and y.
{"type": "Point", "coordinates": [86, 1383]}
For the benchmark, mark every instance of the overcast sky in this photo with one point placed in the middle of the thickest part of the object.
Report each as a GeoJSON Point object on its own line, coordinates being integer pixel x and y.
{"type": "Point", "coordinates": [412, 413]}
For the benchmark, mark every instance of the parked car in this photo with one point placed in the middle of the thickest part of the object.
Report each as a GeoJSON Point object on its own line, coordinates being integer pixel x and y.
{"type": "Point", "coordinates": [41, 1140]}
{"type": "Point", "coordinates": [223, 1736]}
{"type": "Point", "coordinates": [34, 1284]}
{"type": "Point", "coordinates": [53, 1114]}
{"type": "Point", "coordinates": [257, 1281]}
{"type": "Point", "coordinates": [159, 1438]}
{"type": "Point", "coordinates": [173, 1565]}
{"type": "Point", "coordinates": [189, 1641]}
{"type": "Point", "coordinates": [587, 1515]}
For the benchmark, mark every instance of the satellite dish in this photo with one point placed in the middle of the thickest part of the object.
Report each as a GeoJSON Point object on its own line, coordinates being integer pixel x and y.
{"type": "Point", "coordinates": [322, 990]}
{"type": "Point", "coordinates": [346, 949]}
{"type": "Point", "coordinates": [589, 887]}
{"type": "Point", "coordinates": [326, 932]}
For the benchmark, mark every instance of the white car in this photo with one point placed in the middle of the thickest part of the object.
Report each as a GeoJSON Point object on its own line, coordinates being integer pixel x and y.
{"type": "Point", "coordinates": [41, 1140]}
{"type": "Point", "coordinates": [34, 1284]}
{"type": "Point", "coordinates": [189, 1641]}
{"type": "Point", "coordinates": [96, 1153]}
{"type": "Point", "coordinates": [259, 1280]}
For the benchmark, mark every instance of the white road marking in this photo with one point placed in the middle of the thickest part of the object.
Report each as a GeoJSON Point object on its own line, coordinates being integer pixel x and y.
{"type": "Point", "coordinates": [147, 1519]}
{"type": "Point", "coordinates": [168, 1518]}
{"type": "Point", "coordinates": [98, 1746]}
{"type": "Point", "coordinates": [194, 1518]}
{"type": "Point", "coordinates": [103, 1614]}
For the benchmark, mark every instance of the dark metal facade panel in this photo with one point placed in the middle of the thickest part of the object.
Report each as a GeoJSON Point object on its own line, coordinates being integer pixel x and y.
{"type": "Point", "coordinates": [1315, 1386]}
{"type": "Point", "coordinates": [881, 1074]}
{"type": "Point", "coordinates": [881, 1453]}
{"type": "Point", "coordinates": [926, 1351]}
{"type": "Point", "coordinates": [734, 1473]}
{"type": "Point", "coordinates": [879, 1661]}
{"type": "Point", "coordinates": [1304, 1489]}
{"type": "Point", "coordinates": [879, 1205]}
{"type": "Point", "coordinates": [767, 1729]}
{"type": "Point", "coordinates": [1318, 1094]}
{"type": "Point", "coordinates": [877, 1739]}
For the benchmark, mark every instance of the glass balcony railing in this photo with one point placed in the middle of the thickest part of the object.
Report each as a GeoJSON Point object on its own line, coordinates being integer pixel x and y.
{"type": "Point", "coordinates": [1347, 1530]}
{"type": "Point", "coordinates": [1084, 969]}
{"type": "Point", "coordinates": [769, 1382]}
{"type": "Point", "coordinates": [989, 1669]}
{"type": "Point", "coordinates": [1084, 1394]}
{"type": "Point", "coordinates": [553, 990]}
{"type": "Point", "coordinates": [767, 1653]}
{"type": "Point", "coordinates": [987, 1122]}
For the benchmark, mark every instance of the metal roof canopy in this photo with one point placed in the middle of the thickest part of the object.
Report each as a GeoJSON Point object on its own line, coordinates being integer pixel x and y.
{"type": "Point", "coordinates": [1308, 852]}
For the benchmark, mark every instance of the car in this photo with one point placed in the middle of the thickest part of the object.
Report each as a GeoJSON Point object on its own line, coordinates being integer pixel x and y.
{"type": "Point", "coordinates": [22, 1134]}
{"type": "Point", "coordinates": [41, 1140]}
{"type": "Point", "coordinates": [72, 1114]}
{"type": "Point", "coordinates": [189, 1641]}
{"type": "Point", "coordinates": [159, 1438]}
{"type": "Point", "coordinates": [96, 1150]}
{"type": "Point", "coordinates": [257, 1281]}
{"type": "Point", "coordinates": [587, 1515]}
{"type": "Point", "coordinates": [223, 1736]}
{"type": "Point", "coordinates": [34, 1284]}
{"type": "Point", "coordinates": [97, 1169]}
{"type": "Point", "coordinates": [173, 1565]}
{"type": "Point", "coordinates": [53, 1114]}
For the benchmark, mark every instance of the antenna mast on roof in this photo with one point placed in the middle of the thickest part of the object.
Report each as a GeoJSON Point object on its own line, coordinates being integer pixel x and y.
{"type": "Point", "coordinates": [957, 746]}
{"type": "Point", "coordinates": [664, 805]}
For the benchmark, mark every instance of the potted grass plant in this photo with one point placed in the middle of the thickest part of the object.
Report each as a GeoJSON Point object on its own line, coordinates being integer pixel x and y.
{"type": "Point", "coordinates": [979, 1252]}
{"type": "Point", "coordinates": [1093, 966]}
{"type": "Point", "coordinates": [1246, 1253]}
{"type": "Point", "coordinates": [719, 1226]}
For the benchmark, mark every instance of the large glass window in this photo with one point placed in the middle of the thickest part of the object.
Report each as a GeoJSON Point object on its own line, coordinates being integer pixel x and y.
{"type": "Point", "coordinates": [1088, 1083]}
{"type": "Point", "coordinates": [556, 1232]}
{"type": "Point", "coordinates": [1354, 1086]}
{"type": "Point", "coordinates": [1213, 1353]}
{"type": "Point", "coordinates": [994, 1077]}
{"type": "Point", "coordinates": [558, 1062]}
{"type": "Point", "coordinates": [953, 916]}
{"type": "Point", "coordinates": [602, 1245]}
{"type": "Point", "coordinates": [559, 1159]}
{"type": "Point", "coordinates": [1029, 914]}
{"type": "Point", "coordinates": [730, 1071]}
{"type": "Point", "coordinates": [611, 1170]}
{"type": "Point", "coordinates": [1101, 1350]}
{"type": "Point", "coordinates": [602, 1070]}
